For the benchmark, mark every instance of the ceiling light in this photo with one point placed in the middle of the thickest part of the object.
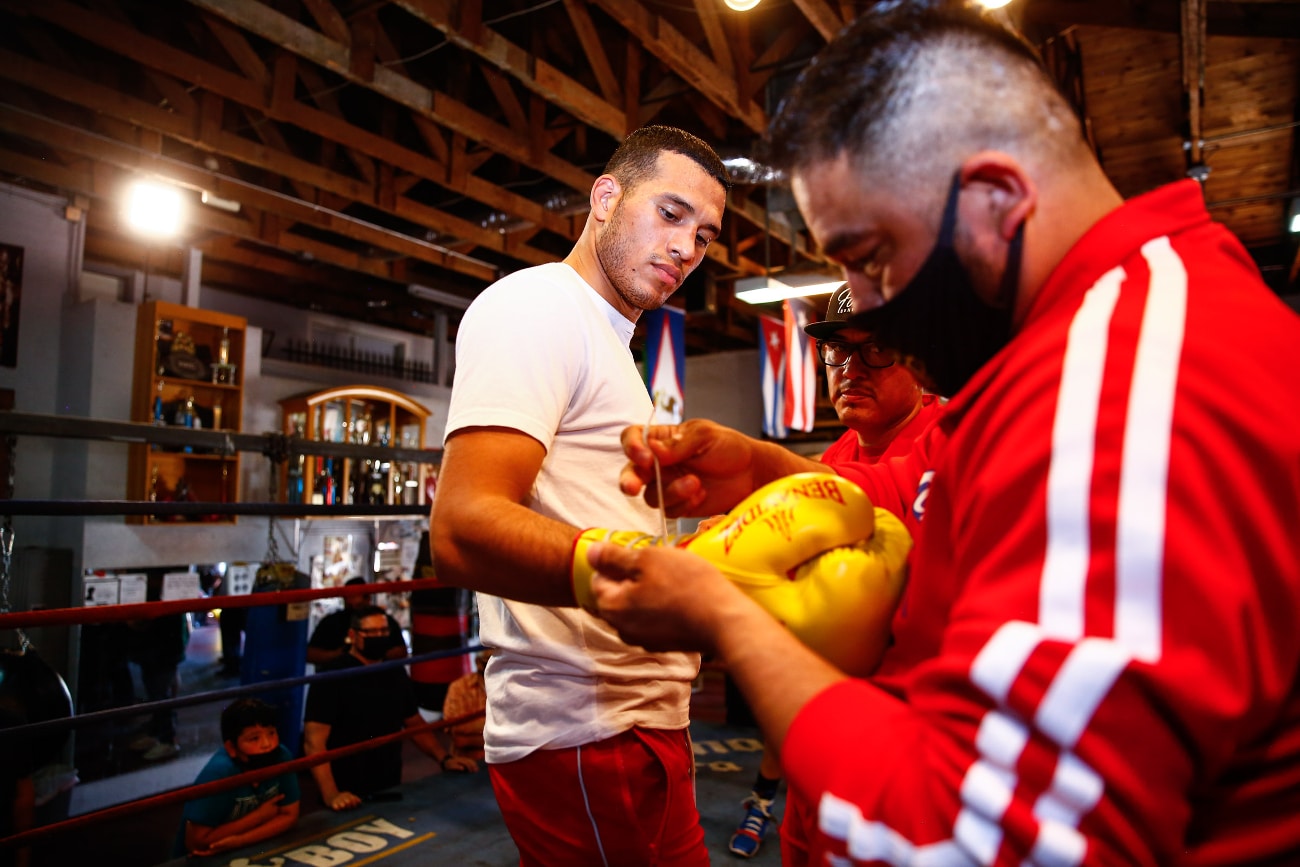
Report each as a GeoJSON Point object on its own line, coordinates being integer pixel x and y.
{"type": "Point", "coordinates": [762, 290]}
{"type": "Point", "coordinates": [1294, 222]}
{"type": "Point", "coordinates": [741, 5]}
{"type": "Point", "coordinates": [993, 4]}
{"type": "Point", "coordinates": [154, 209]}
{"type": "Point", "coordinates": [438, 296]}
{"type": "Point", "coordinates": [217, 202]}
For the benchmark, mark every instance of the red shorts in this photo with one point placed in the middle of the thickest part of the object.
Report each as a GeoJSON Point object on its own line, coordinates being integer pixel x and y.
{"type": "Point", "coordinates": [625, 801]}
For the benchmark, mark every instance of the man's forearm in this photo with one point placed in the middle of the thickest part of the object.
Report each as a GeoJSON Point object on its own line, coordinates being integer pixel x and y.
{"type": "Point", "coordinates": [324, 778]}
{"type": "Point", "coordinates": [777, 674]}
{"type": "Point", "coordinates": [429, 744]}
{"type": "Point", "coordinates": [282, 821]}
{"type": "Point", "coordinates": [772, 462]}
{"type": "Point", "coordinates": [318, 655]}
{"type": "Point", "coordinates": [506, 550]}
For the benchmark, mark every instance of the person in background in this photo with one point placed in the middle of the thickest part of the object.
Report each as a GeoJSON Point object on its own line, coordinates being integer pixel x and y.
{"type": "Point", "coordinates": [467, 695]}
{"type": "Point", "coordinates": [253, 811]}
{"type": "Point", "coordinates": [328, 644]}
{"type": "Point", "coordinates": [352, 710]}
{"type": "Point", "coordinates": [883, 410]}
{"type": "Point", "coordinates": [157, 646]}
{"type": "Point", "coordinates": [1105, 667]}
{"type": "Point", "coordinates": [586, 737]}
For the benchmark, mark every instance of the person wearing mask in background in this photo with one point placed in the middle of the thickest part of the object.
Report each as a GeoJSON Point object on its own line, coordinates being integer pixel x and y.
{"type": "Point", "coordinates": [328, 644]}
{"type": "Point", "coordinates": [253, 811]}
{"type": "Point", "coordinates": [351, 710]}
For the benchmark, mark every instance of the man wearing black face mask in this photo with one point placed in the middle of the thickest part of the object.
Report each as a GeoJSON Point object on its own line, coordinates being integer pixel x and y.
{"type": "Point", "coordinates": [355, 709]}
{"type": "Point", "coordinates": [329, 640]}
{"type": "Point", "coordinates": [251, 812]}
{"type": "Point", "coordinates": [1099, 662]}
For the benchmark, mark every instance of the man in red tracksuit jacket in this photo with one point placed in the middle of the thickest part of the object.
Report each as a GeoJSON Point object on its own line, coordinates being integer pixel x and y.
{"type": "Point", "coordinates": [1098, 662]}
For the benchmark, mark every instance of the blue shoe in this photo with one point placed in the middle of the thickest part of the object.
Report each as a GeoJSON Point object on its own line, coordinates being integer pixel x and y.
{"type": "Point", "coordinates": [753, 828]}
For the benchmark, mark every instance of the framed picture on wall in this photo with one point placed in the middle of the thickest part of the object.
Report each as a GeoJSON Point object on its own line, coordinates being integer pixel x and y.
{"type": "Point", "coordinates": [11, 290]}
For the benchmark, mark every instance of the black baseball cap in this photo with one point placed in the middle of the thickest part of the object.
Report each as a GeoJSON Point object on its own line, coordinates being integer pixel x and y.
{"type": "Point", "coordinates": [838, 311]}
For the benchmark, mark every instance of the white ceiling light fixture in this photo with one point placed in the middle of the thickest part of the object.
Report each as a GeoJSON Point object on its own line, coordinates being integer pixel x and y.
{"type": "Point", "coordinates": [741, 5]}
{"type": "Point", "coordinates": [438, 296]}
{"type": "Point", "coordinates": [215, 201]}
{"type": "Point", "coordinates": [993, 4]}
{"type": "Point", "coordinates": [764, 290]}
{"type": "Point", "coordinates": [154, 209]}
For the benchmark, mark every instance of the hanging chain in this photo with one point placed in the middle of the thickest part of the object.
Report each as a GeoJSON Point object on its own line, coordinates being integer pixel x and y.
{"type": "Point", "coordinates": [273, 547]}
{"type": "Point", "coordinates": [11, 449]}
{"type": "Point", "coordinates": [6, 567]}
{"type": "Point", "coordinates": [272, 550]}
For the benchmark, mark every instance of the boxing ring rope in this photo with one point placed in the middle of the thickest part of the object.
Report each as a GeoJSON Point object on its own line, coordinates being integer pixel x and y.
{"type": "Point", "coordinates": [277, 448]}
{"type": "Point", "coordinates": [29, 730]}
{"type": "Point", "coordinates": [189, 793]}
{"type": "Point", "coordinates": [145, 610]}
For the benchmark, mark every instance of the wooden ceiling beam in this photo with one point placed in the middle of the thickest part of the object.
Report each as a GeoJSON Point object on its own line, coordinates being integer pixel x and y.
{"type": "Point", "coordinates": [124, 157]}
{"type": "Point", "coordinates": [533, 72]}
{"type": "Point", "coordinates": [152, 53]}
{"type": "Point", "coordinates": [666, 42]}
{"type": "Point", "coordinates": [822, 16]}
{"type": "Point", "coordinates": [1192, 36]}
{"type": "Point", "coordinates": [710, 12]}
{"type": "Point", "coordinates": [1250, 19]}
{"type": "Point", "coordinates": [593, 47]}
{"type": "Point", "coordinates": [265, 22]}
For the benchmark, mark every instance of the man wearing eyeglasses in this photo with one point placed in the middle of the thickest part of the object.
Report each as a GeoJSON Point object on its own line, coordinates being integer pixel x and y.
{"type": "Point", "coordinates": [884, 410]}
{"type": "Point", "coordinates": [880, 402]}
{"type": "Point", "coordinates": [355, 709]}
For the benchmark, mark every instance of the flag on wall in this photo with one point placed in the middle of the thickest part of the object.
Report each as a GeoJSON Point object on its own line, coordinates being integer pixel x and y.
{"type": "Point", "coordinates": [771, 353]}
{"type": "Point", "coordinates": [665, 362]}
{"type": "Point", "coordinates": [800, 366]}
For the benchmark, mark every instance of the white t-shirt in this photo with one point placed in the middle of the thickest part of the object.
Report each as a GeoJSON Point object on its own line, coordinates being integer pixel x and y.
{"type": "Point", "coordinates": [542, 353]}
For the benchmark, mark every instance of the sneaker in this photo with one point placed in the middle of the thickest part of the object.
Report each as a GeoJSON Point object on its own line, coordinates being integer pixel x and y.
{"type": "Point", "coordinates": [749, 836]}
{"type": "Point", "coordinates": [142, 743]}
{"type": "Point", "coordinates": [160, 751]}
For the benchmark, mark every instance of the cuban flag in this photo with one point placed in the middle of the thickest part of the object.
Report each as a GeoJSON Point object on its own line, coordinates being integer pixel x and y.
{"type": "Point", "coordinates": [771, 353]}
{"type": "Point", "coordinates": [801, 366]}
{"type": "Point", "coordinates": [665, 362]}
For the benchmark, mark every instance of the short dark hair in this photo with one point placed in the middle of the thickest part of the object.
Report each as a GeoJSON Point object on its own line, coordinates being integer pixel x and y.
{"type": "Point", "coordinates": [853, 89]}
{"type": "Point", "coordinates": [360, 614]}
{"type": "Point", "coordinates": [244, 712]}
{"type": "Point", "coordinates": [635, 159]}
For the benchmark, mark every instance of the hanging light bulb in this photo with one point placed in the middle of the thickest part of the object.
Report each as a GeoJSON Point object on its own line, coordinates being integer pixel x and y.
{"type": "Point", "coordinates": [741, 5]}
{"type": "Point", "coordinates": [154, 209]}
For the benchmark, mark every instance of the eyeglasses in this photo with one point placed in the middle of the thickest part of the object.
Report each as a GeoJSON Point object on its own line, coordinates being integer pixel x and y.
{"type": "Point", "coordinates": [836, 354]}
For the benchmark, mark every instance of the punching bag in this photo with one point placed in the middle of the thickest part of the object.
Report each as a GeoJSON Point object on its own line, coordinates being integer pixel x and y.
{"type": "Point", "coordinates": [439, 621]}
{"type": "Point", "coordinates": [31, 691]}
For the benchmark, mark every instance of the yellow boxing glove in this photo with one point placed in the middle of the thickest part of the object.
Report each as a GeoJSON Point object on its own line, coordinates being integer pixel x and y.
{"type": "Point", "coordinates": [812, 551]}
{"type": "Point", "coordinates": [815, 554]}
{"type": "Point", "coordinates": [580, 569]}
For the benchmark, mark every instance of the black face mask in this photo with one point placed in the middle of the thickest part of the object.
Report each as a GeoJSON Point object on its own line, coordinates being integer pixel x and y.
{"type": "Point", "coordinates": [260, 760]}
{"type": "Point", "coordinates": [940, 328]}
{"type": "Point", "coordinates": [374, 647]}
